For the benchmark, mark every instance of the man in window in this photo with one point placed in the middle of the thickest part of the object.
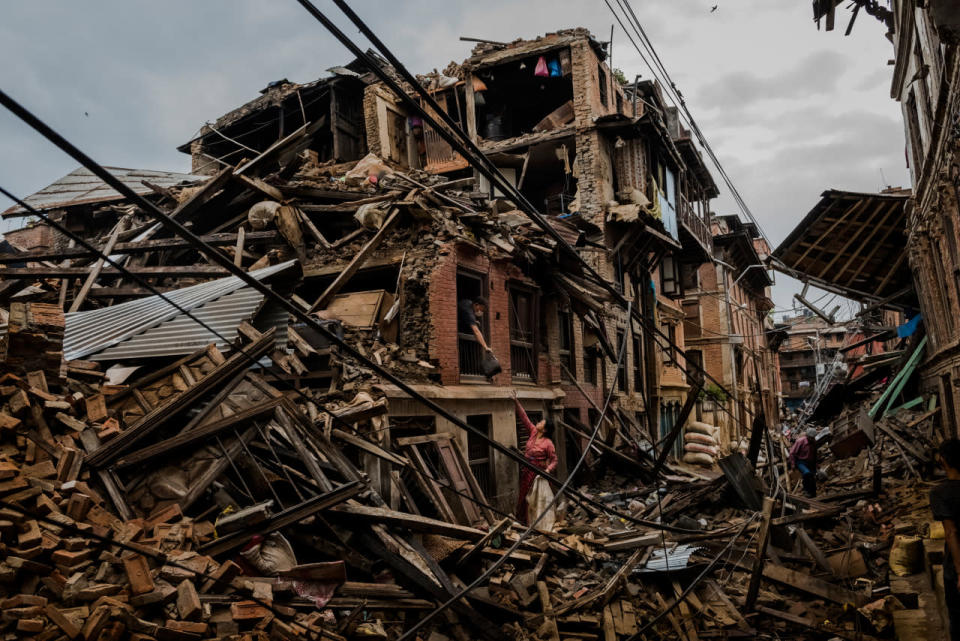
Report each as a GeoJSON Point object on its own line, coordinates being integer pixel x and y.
{"type": "Point", "coordinates": [470, 319]}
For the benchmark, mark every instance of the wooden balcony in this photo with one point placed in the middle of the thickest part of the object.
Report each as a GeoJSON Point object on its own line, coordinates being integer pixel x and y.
{"type": "Point", "coordinates": [698, 228]}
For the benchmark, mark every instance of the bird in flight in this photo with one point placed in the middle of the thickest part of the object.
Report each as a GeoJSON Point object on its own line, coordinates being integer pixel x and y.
{"type": "Point", "coordinates": [714, 8]}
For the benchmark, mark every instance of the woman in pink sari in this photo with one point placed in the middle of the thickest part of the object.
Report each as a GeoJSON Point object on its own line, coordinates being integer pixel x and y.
{"type": "Point", "coordinates": [539, 451]}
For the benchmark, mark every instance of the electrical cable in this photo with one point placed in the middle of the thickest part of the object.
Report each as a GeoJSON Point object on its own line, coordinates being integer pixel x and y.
{"type": "Point", "coordinates": [638, 636]}
{"type": "Point", "coordinates": [225, 262]}
{"type": "Point", "coordinates": [468, 149]}
{"type": "Point", "coordinates": [660, 72]}
{"type": "Point", "coordinates": [523, 536]}
{"type": "Point", "coordinates": [147, 285]}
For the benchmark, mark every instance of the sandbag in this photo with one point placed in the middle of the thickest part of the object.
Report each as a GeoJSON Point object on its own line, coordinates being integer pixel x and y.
{"type": "Point", "coordinates": [538, 501]}
{"type": "Point", "coordinates": [699, 447]}
{"type": "Point", "coordinates": [698, 458]}
{"type": "Point", "coordinates": [694, 437]}
{"type": "Point", "coordinates": [906, 555]}
{"type": "Point", "coordinates": [262, 214]}
{"type": "Point", "coordinates": [699, 427]}
{"type": "Point", "coordinates": [271, 554]}
{"type": "Point", "coordinates": [367, 168]}
{"type": "Point", "coordinates": [371, 215]}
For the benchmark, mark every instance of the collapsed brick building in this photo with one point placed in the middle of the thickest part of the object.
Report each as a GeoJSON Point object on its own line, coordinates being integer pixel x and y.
{"type": "Point", "coordinates": [204, 462]}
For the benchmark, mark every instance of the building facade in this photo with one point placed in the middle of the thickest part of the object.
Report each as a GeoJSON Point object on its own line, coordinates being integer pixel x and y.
{"type": "Point", "coordinates": [926, 82]}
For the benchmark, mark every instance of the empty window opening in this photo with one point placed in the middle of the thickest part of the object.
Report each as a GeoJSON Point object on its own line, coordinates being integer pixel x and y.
{"type": "Point", "coordinates": [523, 356]}
{"type": "Point", "coordinates": [622, 365]}
{"type": "Point", "coordinates": [602, 84]}
{"type": "Point", "coordinates": [637, 365]}
{"type": "Point", "coordinates": [512, 100]}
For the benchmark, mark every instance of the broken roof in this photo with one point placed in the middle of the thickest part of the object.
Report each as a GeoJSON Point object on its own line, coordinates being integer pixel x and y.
{"type": "Point", "coordinates": [151, 326]}
{"type": "Point", "coordinates": [81, 187]}
{"type": "Point", "coordinates": [489, 54]}
{"type": "Point", "coordinates": [851, 243]}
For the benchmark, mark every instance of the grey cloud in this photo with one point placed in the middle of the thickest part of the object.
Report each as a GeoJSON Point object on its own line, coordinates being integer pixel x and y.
{"type": "Point", "coordinates": [816, 74]}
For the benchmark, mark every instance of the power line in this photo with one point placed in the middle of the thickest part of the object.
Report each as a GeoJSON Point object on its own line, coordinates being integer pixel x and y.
{"type": "Point", "coordinates": [660, 72]}
{"type": "Point", "coordinates": [523, 536]}
{"type": "Point", "coordinates": [296, 311]}
{"type": "Point", "coordinates": [462, 143]}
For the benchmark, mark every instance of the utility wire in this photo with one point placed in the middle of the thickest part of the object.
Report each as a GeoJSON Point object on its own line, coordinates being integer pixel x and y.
{"type": "Point", "coordinates": [523, 536]}
{"type": "Point", "coordinates": [225, 262]}
{"type": "Point", "coordinates": [462, 143]}
{"type": "Point", "coordinates": [273, 368]}
{"type": "Point", "coordinates": [660, 72]}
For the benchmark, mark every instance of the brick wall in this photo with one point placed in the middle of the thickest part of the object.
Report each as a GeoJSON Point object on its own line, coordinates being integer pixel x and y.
{"type": "Point", "coordinates": [37, 236]}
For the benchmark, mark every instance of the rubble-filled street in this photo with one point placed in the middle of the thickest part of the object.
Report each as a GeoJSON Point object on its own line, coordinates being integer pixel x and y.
{"type": "Point", "coordinates": [491, 352]}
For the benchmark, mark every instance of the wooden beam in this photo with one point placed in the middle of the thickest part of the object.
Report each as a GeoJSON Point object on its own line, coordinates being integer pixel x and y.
{"type": "Point", "coordinates": [753, 589]}
{"type": "Point", "coordinates": [208, 191]}
{"type": "Point", "coordinates": [199, 434]}
{"type": "Point", "coordinates": [209, 271]}
{"type": "Point", "coordinates": [283, 519]}
{"type": "Point", "coordinates": [95, 271]}
{"type": "Point", "coordinates": [800, 517]}
{"type": "Point", "coordinates": [810, 585]}
{"type": "Point", "coordinates": [166, 411]}
{"type": "Point", "coordinates": [409, 521]}
{"type": "Point", "coordinates": [137, 247]}
{"type": "Point", "coordinates": [258, 185]}
{"type": "Point", "coordinates": [357, 262]}
{"type": "Point", "coordinates": [238, 250]}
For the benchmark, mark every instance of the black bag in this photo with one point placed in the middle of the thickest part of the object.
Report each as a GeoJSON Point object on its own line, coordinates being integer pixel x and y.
{"type": "Point", "coordinates": [490, 365]}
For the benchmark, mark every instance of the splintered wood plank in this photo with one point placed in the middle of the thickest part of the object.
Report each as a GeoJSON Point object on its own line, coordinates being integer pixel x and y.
{"type": "Point", "coordinates": [360, 309]}
{"type": "Point", "coordinates": [95, 271]}
{"type": "Point", "coordinates": [609, 631]}
{"type": "Point", "coordinates": [457, 478]}
{"type": "Point", "coordinates": [617, 613]}
{"type": "Point", "coordinates": [810, 585]}
{"type": "Point", "coordinates": [351, 269]}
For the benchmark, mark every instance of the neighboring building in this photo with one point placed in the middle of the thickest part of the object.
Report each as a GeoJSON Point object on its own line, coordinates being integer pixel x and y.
{"type": "Point", "coordinates": [727, 328]}
{"type": "Point", "coordinates": [926, 82]}
{"type": "Point", "coordinates": [806, 354]}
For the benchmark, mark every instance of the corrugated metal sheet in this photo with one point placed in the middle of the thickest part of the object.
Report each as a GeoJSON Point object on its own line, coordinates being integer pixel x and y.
{"type": "Point", "coordinates": [152, 327]}
{"type": "Point", "coordinates": [676, 559]}
{"type": "Point", "coordinates": [82, 187]}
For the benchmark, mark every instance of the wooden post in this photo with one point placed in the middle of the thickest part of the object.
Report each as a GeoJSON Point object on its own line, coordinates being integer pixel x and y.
{"type": "Point", "coordinates": [238, 256]}
{"type": "Point", "coordinates": [351, 269]}
{"type": "Point", "coordinates": [95, 271]}
{"type": "Point", "coordinates": [764, 536]}
{"type": "Point", "coordinates": [471, 107]}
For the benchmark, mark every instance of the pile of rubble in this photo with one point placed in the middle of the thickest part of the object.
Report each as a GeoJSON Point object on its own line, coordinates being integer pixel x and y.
{"type": "Point", "coordinates": [197, 494]}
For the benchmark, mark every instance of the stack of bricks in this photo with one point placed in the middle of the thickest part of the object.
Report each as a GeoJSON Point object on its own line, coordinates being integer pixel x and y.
{"type": "Point", "coordinates": [35, 338]}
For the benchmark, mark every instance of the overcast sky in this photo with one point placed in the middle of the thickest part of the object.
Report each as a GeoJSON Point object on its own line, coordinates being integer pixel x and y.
{"type": "Point", "coordinates": [789, 110]}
